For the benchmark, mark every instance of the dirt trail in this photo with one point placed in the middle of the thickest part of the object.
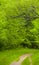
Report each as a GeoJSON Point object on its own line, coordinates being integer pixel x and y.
{"type": "Point", "coordinates": [21, 58]}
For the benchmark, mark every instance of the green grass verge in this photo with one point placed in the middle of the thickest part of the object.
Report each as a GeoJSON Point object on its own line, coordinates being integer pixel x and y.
{"type": "Point", "coordinates": [35, 58]}
{"type": "Point", "coordinates": [8, 56]}
{"type": "Point", "coordinates": [26, 62]}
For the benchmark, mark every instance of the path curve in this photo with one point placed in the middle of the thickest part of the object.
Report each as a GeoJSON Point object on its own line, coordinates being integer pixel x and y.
{"type": "Point", "coordinates": [21, 58]}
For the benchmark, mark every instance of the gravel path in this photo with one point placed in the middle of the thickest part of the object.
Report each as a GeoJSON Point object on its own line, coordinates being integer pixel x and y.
{"type": "Point", "coordinates": [21, 58]}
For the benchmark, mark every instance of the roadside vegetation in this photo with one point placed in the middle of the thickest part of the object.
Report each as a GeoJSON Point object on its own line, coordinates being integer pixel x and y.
{"type": "Point", "coordinates": [19, 24]}
{"type": "Point", "coordinates": [9, 56]}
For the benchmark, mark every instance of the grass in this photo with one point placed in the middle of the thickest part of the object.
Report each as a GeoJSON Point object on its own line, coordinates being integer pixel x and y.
{"type": "Point", "coordinates": [8, 56]}
{"type": "Point", "coordinates": [35, 58]}
{"type": "Point", "coordinates": [26, 62]}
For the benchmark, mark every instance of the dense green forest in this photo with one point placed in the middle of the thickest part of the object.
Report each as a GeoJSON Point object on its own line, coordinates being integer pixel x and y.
{"type": "Point", "coordinates": [19, 24]}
